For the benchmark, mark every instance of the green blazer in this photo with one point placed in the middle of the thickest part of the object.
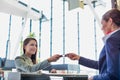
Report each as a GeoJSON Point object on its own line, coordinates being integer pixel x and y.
{"type": "Point", "coordinates": [24, 64]}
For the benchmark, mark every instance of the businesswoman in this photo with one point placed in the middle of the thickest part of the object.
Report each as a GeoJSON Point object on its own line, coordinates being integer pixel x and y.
{"type": "Point", "coordinates": [27, 62]}
{"type": "Point", "coordinates": [109, 59]}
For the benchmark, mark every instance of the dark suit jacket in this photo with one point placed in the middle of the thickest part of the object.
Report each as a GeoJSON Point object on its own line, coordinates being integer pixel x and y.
{"type": "Point", "coordinates": [109, 59]}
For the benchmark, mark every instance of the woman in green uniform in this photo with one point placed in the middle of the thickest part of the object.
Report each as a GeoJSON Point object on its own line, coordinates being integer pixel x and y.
{"type": "Point", "coordinates": [27, 62]}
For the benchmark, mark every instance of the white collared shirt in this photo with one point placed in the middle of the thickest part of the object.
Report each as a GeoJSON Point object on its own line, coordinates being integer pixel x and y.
{"type": "Point", "coordinates": [107, 36]}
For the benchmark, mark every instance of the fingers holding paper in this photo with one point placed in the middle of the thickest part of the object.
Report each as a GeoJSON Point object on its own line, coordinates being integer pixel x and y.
{"type": "Point", "coordinates": [73, 56]}
{"type": "Point", "coordinates": [54, 58]}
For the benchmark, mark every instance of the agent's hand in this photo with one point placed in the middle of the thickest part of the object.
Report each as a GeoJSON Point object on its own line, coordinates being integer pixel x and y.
{"type": "Point", "coordinates": [53, 71]}
{"type": "Point", "coordinates": [73, 56]}
{"type": "Point", "coordinates": [91, 78]}
{"type": "Point", "coordinates": [54, 58]}
{"type": "Point", "coordinates": [1, 71]}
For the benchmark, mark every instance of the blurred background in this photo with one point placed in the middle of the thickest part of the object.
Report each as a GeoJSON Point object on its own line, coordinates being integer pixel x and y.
{"type": "Point", "coordinates": [62, 27]}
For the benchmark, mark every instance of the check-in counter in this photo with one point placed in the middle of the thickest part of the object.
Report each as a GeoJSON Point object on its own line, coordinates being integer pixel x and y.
{"type": "Point", "coordinates": [45, 76]}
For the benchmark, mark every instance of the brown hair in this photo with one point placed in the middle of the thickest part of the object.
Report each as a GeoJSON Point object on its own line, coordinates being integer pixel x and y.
{"type": "Point", "coordinates": [114, 14]}
{"type": "Point", "coordinates": [26, 41]}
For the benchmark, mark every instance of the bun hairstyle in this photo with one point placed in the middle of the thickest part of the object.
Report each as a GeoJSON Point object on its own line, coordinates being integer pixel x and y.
{"type": "Point", "coordinates": [114, 14]}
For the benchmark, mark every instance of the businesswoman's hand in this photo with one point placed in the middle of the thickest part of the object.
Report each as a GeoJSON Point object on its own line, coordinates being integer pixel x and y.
{"type": "Point", "coordinates": [73, 56]}
{"type": "Point", "coordinates": [54, 58]}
